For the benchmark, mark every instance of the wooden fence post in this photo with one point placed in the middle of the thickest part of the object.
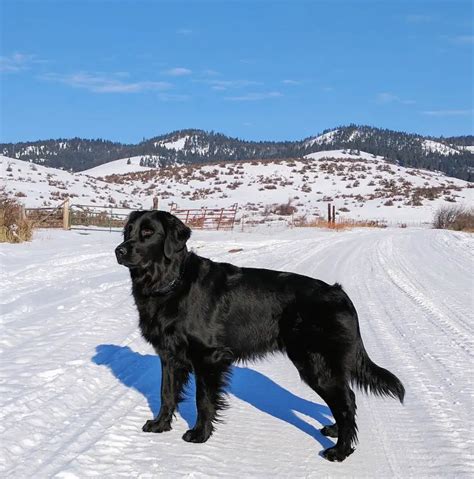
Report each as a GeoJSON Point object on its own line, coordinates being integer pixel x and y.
{"type": "Point", "coordinates": [333, 214]}
{"type": "Point", "coordinates": [155, 202]}
{"type": "Point", "coordinates": [220, 218]}
{"type": "Point", "coordinates": [329, 212]}
{"type": "Point", "coordinates": [66, 225]}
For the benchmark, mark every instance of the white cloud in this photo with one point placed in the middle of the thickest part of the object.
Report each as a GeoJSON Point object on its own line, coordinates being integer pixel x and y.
{"type": "Point", "coordinates": [442, 113]}
{"type": "Point", "coordinates": [184, 31]}
{"type": "Point", "coordinates": [255, 96]}
{"type": "Point", "coordinates": [209, 72]}
{"type": "Point", "coordinates": [100, 83]}
{"type": "Point", "coordinates": [463, 40]}
{"type": "Point", "coordinates": [229, 84]}
{"type": "Point", "coordinates": [178, 72]}
{"type": "Point", "coordinates": [16, 62]}
{"type": "Point", "coordinates": [385, 98]}
{"type": "Point", "coordinates": [291, 82]}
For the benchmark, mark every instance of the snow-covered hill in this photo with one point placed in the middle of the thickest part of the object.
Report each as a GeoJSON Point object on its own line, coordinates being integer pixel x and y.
{"type": "Point", "coordinates": [119, 167]}
{"type": "Point", "coordinates": [190, 146]}
{"type": "Point", "coordinates": [350, 135]}
{"type": "Point", "coordinates": [437, 147]}
{"type": "Point", "coordinates": [325, 138]}
{"type": "Point", "coordinates": [78, 381]}
{"type": "Point", "coordinates": [35, 186]}
{"type": "Point", "coordinates": [359, 184]}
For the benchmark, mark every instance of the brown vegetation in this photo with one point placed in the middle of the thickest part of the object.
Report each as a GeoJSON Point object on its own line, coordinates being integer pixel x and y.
{"type": "Point", "coordinates": [283, 209]}
{"type": "Point", "coordinates": [14, 228]}
{"type": "Point", "coordinates": [339, 224]}
{"type": "Point", "coordinates": [454, 217]}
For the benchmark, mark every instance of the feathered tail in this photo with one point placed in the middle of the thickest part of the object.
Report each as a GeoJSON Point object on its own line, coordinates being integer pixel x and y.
{"type": "Point", "coordinates": [372, 378]}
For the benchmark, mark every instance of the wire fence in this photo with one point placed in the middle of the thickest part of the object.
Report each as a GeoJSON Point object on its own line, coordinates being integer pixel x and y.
{"type": "Point", "coordinates": [113, 218]}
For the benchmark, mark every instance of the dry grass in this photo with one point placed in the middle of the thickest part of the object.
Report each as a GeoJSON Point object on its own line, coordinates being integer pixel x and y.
{"type": "Point", "coordinates": [454, 217]}
{"type": "Point", "coordinates": [13, 228]}
{"type": "Point", "coordinates": [340, 225]}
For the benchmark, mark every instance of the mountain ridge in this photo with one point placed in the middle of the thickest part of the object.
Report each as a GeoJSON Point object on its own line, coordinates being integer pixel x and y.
{"type": "Point", "coordinates": [453, 155]}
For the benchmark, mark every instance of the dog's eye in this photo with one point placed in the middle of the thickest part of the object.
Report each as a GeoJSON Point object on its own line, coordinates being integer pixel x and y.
{"type": "Point", "coordinates": [146, 232]}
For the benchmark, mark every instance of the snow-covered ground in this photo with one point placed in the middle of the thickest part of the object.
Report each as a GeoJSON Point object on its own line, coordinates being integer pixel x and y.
{"type": "Point", "coordinates": [437, 147]}
{"type": "Point", "coordinates": [119, 167]}
{"type": "Point", "coordinates": [78, 382]}
{"type": "Point", "coordinates": [361, 186]}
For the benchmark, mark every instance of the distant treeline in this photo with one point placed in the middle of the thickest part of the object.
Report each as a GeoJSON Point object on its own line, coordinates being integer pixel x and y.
{"type": "Point", "coordinates": [406, 149]}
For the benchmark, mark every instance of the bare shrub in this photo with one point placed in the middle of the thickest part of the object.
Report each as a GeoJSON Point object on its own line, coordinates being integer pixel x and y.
{"type": "Point", "coordinates": [454, 217]}
{"type": "Point", "coordinates": [13, 228]}
{"type": "Point", "coordinates": [283, 209]}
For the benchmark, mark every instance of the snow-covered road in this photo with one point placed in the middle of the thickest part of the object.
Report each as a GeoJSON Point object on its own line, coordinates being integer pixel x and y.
{"type": "Point", "coordinates": [78, 382]}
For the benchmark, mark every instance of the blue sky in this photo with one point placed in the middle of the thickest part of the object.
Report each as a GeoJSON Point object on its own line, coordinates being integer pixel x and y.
{"type": "Point", "coordinates": [125, 70]}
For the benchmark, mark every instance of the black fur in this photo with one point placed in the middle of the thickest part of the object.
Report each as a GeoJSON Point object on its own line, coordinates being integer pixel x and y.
{"type": "Point", "coordinates": [201, 316]}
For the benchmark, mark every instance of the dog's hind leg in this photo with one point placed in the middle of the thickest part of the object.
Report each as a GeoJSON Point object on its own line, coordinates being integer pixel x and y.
{"type": "Point", "coordinates": [335, 391]}
{"type": "Point", "coordinates": [341, 400]}
{"type": "Point", "coordinates": [210, 383]}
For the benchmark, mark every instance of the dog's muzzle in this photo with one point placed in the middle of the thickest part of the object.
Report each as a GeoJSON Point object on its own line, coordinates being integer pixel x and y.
{"type": "Point", "coordinates": [120, 253]}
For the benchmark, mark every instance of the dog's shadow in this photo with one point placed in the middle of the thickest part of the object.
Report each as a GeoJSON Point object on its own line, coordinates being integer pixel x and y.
{"type": "Point", "coordinates": [143, 373]}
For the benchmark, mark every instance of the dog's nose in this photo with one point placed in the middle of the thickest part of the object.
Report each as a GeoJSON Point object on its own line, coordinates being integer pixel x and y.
{"type": "Point", "coordinates": [120, 251]}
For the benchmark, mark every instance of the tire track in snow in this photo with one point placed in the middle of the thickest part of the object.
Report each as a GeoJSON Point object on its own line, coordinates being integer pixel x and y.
{"type": "Point", "coordinates": [399, 277]}
{"type": "Point", "coordinates": [372, 253]}
{"type": "Point", "coordinates": [427, 436]}
{"type": "Point", "coordinates": [72, 432]}
{"type": "Point", "coordinates": [453, 306]}
{"type": "Point", "coordinates": [442, 422]}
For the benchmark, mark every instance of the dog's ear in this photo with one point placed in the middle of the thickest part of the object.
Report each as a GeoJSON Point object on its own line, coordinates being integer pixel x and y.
{"type": "Point", "coordinates": [177, 233]}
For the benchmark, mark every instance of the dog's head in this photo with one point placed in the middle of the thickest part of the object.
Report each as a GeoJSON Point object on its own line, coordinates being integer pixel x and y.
{"type": "Point", "coordinates": [150, 237]}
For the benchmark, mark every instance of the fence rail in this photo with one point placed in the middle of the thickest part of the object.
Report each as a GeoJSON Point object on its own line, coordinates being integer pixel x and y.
{"type": "Point", "coordinates": [206, 218]}
{"type": "Point", "coordinates": [52, 217]}
{"type": "Point", "coordinates": [77, 216]}
{"type": "Point", "coordinates": [105, 217]}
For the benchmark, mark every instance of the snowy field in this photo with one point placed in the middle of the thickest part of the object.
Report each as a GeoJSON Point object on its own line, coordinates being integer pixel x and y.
{"type": "Point", "coordinates": [361, 187]}
{"type": "Point", "coordinates": [78, 382]}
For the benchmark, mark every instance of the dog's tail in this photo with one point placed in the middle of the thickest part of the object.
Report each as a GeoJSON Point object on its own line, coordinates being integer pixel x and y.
{"type": "Point", "coordinates": [372, 378]}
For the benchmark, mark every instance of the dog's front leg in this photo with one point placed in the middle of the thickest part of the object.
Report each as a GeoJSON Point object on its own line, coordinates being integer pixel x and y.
{"type": "Point", "coordinates": [210, 382]}
{"type": "Point", "coordinates": [174, 375]}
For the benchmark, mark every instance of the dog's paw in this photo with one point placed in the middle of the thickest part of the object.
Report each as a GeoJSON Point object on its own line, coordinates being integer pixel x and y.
{"type": "Point", "coordinates": [196, 435]}
{"type": "Point", "coordinates": [329, 431]}
{"type": "Point", "coordinates": [156, 426]}
{"type": "Point", "coordinates": [333, 454]}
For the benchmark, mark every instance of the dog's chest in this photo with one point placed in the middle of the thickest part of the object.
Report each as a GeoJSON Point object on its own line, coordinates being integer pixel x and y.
{"type": "Point", "coordinates": [160, 329]}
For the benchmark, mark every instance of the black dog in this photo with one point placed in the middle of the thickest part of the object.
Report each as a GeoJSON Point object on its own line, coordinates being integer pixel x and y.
{"type": "Point", "coordinates": [201, 316]}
